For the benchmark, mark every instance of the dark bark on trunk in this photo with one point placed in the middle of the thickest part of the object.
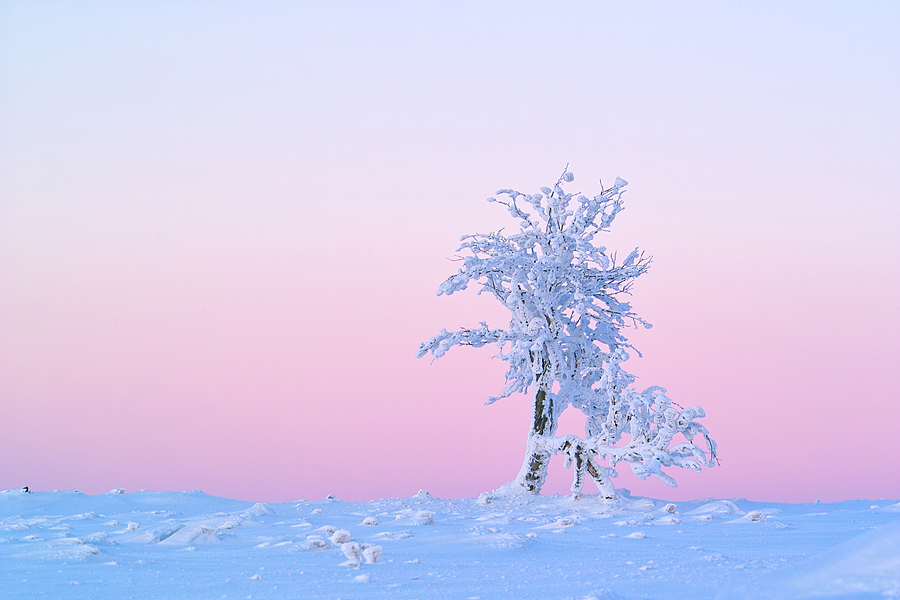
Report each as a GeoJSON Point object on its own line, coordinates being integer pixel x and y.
{"type": "Point", "coordinates": [543, 413]}
{"type": "Point", "coordinates": [582, 459]}
{"type": "Point", "coordinates": [538, 460]}
{"type": "Point", "coordinates": [534, 470]}
{"type": "Point", "coordinates": [604, 485]}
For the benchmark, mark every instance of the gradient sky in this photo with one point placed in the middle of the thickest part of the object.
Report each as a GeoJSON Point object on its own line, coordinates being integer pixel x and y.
{"type": "Point", "coordinates": [222, 226]}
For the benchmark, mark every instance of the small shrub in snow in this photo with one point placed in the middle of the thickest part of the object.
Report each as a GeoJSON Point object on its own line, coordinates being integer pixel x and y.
{"type": "Point", "coordinates": [424, 517]}
{"type": "Point", "coordinates": [754, 516]}
{"type": "Point", "coordinates": [340, 536]}
{"type": "Point", "coordinates": [351, 550]}
{"type": "Point", "coordinates": [315, 542]}
{"type": "Point", "coordinates": [99, 537]}
{"type": "Point", "coordinates": [372, 554]}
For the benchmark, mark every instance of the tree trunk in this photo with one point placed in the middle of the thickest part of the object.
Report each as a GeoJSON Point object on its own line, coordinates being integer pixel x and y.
{"type": "Point", "coordinates": [534, 469]}
{"type": "Point", "coordinates": [604, 485]}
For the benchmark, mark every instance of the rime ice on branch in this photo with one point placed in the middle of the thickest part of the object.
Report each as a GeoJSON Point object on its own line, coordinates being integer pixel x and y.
{"type": "Point", "coordinates": [564, 344]}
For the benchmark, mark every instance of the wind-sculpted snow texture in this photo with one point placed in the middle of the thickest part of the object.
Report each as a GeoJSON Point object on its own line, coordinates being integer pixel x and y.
{"type": "Point", "coordinates": [146, 545]}
{"type": "Point", "coordinates": [565, 343]}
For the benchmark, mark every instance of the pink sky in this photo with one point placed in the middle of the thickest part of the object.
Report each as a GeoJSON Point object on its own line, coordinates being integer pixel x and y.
{"type": "Point", "coordinates": [222, 227]}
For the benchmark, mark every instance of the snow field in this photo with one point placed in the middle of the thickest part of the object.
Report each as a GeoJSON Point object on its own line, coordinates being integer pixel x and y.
{"type": "Point", "coordinates": [190, 545]}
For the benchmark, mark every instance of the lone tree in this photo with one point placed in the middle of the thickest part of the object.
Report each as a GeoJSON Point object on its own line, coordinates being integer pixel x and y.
{"type": "Point", "coordinates": [564, 344]}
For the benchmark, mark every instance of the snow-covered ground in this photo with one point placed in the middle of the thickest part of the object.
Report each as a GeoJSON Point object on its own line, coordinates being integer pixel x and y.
{"type": "Point", "coordinates": [191, 545]}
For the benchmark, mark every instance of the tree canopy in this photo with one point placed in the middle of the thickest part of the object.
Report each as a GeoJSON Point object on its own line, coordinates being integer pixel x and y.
{"type": "Point", "coordinates": [564, 344]}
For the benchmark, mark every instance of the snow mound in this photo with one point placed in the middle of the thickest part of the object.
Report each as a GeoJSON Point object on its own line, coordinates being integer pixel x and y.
{"type": "Point", "coordinates": [351, 550]}
{"type": "Point", "coordinates": [341, 536]}
{"type": "Point", "coordinates": [604, 595]}
{"type": "Point", "coordinates": [258, 510]}
{"type": "Point", "coordinates": [423, 517]}
{"type": "Point", "coordinates": [317, 542]}
{"type": "Point", "coordinates": [161, 533]}
{"type": "Point", "coordinates": [372, 554]}
{"type": "Point", "coordinates": [199, 532]}
{"type": "Point", "coordinates": [637, 535]}
{"type": "Point", "coordinates": [716, 507]}
{"type": "Point", "coordinates": [754, 516]}
{"type": "Point", "coordinates": [560, 523]}
{"type": "Point", "coordinates": [866, 564]}
{"type": "Point", "coordinates": [79, 552]}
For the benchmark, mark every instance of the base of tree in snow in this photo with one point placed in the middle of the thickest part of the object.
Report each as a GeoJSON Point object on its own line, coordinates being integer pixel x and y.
{"type": "Point", "coordinates": [190, 545]}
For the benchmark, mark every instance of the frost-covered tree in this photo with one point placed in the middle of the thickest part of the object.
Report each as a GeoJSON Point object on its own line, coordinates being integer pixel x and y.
{"type": "Point", "coordinates": [564, 345]}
